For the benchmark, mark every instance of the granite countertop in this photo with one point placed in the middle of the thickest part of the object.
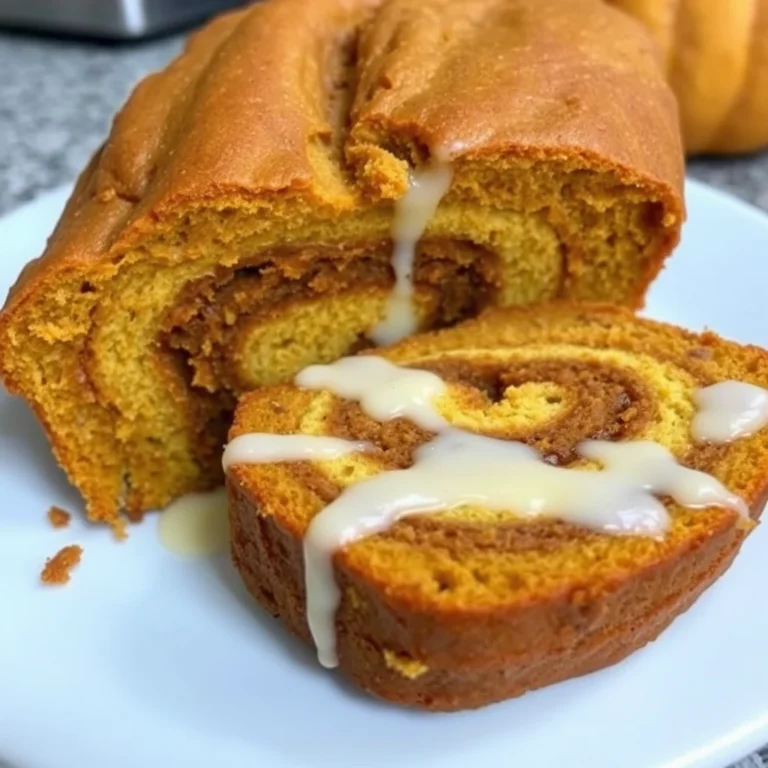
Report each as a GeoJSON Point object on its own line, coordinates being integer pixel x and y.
{"type": "Point", "coordinates": [57, 99]}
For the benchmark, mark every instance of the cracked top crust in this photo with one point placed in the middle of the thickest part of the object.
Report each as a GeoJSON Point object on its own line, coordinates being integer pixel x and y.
{"type": "Point", "coordinates": [330, 101]}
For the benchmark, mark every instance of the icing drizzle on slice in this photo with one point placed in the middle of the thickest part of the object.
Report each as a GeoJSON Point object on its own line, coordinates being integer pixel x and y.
{"type": "Point", "coordinates": [461, 468]}
{"type": "Point", "coordinates": [728, 411]}
{"type": "Point", "coordinates": [263, 448]}
{"type": "Point", "coordinates": [384, 391]}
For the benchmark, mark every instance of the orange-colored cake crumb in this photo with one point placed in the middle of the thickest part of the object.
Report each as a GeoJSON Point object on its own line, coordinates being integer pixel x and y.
{"type": "Point", "coordinates": [58, 517]}
{"type": "Point", "coordinates": [120, 528]}
{"type": "Point", "coordinates": [214, 245]}
{"type": "Point", "coordinates": [57, 569]}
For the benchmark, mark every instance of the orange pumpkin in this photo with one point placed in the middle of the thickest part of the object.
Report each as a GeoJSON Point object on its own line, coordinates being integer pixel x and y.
{"type": "Point", "coordinates": [716, 58]}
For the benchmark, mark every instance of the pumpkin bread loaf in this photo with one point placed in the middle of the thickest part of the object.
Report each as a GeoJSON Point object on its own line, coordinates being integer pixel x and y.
{"type": "Point", "coordinates": [716, 58]}
{"type": "Point", "coordinates": [235, 227]}
{"type": "Point", "coordinates": [462, 608]}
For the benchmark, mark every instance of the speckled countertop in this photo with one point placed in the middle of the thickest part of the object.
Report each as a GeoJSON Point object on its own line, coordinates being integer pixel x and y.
{"type": "Point", "coordinates": [56, 103]}
{"type": "Point", "coordinates": [57, 100]}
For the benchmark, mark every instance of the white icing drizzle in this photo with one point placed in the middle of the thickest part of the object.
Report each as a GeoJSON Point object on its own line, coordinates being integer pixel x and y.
{"type": "Point", "coordinates": [729, 410]}
{"type": "Point", "coordinates": [413, 212]}
{"type": "Point", "coordinates": [385, 391]}
{"type": "Point", "coordinates": [653, 468]}
{"type": "Point", "coordinates": [460, 468]}
{"type": "Point", "coordinates": [257, 448]}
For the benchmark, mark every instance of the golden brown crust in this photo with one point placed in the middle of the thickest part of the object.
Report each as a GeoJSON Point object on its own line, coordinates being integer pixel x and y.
{"type": "Point", "coordinates": [218, 121]}
{"type": "Point", "coordinates": [431, 76]}
{"type": "Point", "coordinates": [231, 117]}
{"type": "Point", "coordinates": [461, 609]}
{"type": "Point", "coordinates": [565, 637]}
{"type": "Point", "coordinates": [264, 162]}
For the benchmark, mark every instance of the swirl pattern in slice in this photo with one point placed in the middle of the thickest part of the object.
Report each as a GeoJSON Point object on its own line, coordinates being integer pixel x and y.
{"type": "Point", "coordinates": [469, 606]}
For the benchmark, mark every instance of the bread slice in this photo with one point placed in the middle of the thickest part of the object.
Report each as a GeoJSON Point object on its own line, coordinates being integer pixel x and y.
{"type": "Point", "coordinates": [235, 227]}
{"type": "Point", "coordinates": [463, 608]}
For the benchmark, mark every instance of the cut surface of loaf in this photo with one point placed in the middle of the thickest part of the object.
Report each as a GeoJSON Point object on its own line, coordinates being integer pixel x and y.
{"type": "Point", "coordinates": [235, 225]}
{"type": "Point", "coordinates": [462, 608]}
{"type": "Point", "coordinates": [716, 59]}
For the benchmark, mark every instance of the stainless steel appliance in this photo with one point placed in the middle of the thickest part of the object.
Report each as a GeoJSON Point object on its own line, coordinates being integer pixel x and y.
{"type": "Point", "coordinates": [111, 19]}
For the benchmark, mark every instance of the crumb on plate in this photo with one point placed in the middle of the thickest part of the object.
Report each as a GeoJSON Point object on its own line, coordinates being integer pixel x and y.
{"type": "Point", "coordinates": [58, 517]}
{"type": "Point", "coordinates": [57, 569]}
{"type": "Point", "coordinates": [120, 529]}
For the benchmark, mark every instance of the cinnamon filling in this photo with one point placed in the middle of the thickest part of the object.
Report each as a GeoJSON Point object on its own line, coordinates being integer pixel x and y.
{"type": "Point", "coordinates": [454, 279]}
{"type": "Point", "coordinates": [597, 402]}
{"type": "Point", "coordinates": [207, 335]}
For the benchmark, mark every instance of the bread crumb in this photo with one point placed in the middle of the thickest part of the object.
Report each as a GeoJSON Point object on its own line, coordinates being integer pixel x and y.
{"type": "Point", "coordinates": [58, 517]}
{"type": "Point", "coordinates": [119, 529]}
{"type": "Point", "coordinates": [57, 569]}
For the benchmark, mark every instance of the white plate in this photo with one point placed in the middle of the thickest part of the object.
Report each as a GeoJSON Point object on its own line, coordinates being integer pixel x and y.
{"type": "Point", "coordinates": [147, 660]}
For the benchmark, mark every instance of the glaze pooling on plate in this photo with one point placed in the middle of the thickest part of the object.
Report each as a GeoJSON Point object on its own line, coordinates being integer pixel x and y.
{"type": "Point", "coordinates": [459, 468]}
{"type": "Point", "coordinates": [195, 525]}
